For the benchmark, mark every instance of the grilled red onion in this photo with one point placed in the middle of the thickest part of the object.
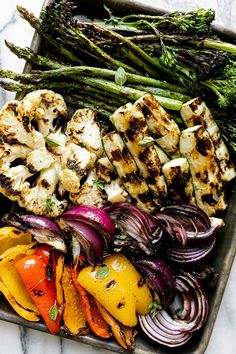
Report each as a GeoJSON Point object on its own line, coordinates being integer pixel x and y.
{"type": "Point", "coordinates": [173, 227]}
{"type": "Point", "coordinates": [190, 255]}
{"type": "Point", "coordinates": [43, 229]}
{"type": "Point", "coordinates": [94, 217]}
{"type": "Point", "coordinates": [159, 276]}
{"type": "Point", "coordinates": [136, 230]}
{"type": "Point", "coordinates": [174, 328]}
{"type": "Point", "coordinates": [89, 240]}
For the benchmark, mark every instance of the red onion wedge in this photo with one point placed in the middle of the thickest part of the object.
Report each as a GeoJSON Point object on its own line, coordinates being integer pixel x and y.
{"type": "Point", "coordinates": [160, 275]}
{"type": "Point", "coordinates": [137, 231]}
{"type": "Point", "coordinates": [43, 229]}
{"type": "Point", "coordinates": [174, 328]}
{"type": "Point", "coordinates": [190, 255]}
{"type": "Point", "coordinates": [88, 238]}
{"type": "Point", "coordinates": [94, 217]}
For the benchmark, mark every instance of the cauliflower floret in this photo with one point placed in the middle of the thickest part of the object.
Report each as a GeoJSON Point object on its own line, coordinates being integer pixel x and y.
{"type": "Point", "coordinates": [43, 106]}
{"type": "Point", "coordinates": [13, 181]}
{"type": "Point", "coordinates": [83, 130]}
{"type": "Point", "coordinates": [39, 159]}
{"type": "Point", "coordinates": [116, 192]}
{"type": "Point", "coordinates": [41, 199]}
{"type": "Point", "coordinates": [89, 193]}
{"type": "Point", "coordinates": [75, 163]}
{"type": "Point", "coordinates": [56, 142]}
{"type": "Point", "coordinates": [16, 129]}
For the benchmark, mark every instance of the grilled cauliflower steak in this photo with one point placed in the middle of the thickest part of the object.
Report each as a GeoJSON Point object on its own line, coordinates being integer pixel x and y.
{"type": "Point", "coordinates": [75, 163]}
{"type": "Point", "coordinates": [44, 107]}
{"type": "Point", "coordinates": [83, 130]}
{"type": "Point", "coordinates": [17, 129]}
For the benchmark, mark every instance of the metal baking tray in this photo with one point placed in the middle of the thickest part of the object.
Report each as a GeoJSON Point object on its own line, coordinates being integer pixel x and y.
{"type": "Point", "coordinates": [226, 247]}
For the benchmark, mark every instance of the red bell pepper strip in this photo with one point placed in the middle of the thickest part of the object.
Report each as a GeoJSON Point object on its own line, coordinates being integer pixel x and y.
{"type": "Point", "coordinates": [92, 314]}
{"type": "Point", "coordinates": [33, 272]}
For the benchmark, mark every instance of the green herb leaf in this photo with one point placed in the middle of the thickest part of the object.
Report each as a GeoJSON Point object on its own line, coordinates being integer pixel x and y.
{"type": "Point", "coordinates": [147, 141]}
{"type": "Point", "coordinates": [154, 307]}
{"type": "Point", "coordinates": [49, 204]}
{"type": "Point", "coordinates": [120, 76]}
{"type": "Point", "coordinates": [102, 272]}
{"type": "Point", "coordinates": [215, 197]}
{"type": "Point", "coordinates": [99, 183]}
{"type": "Point", "coordinates": [51, 143]}
{"type": "Point", "coordinates": [53, 312]}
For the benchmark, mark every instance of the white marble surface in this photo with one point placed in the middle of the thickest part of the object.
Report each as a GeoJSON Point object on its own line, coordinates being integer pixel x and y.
{"type": "Point", "coordinates": [18, 340]}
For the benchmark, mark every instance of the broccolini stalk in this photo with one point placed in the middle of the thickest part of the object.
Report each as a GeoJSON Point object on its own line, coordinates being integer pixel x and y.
{"type": "Point", "coordinates": [196, 23]}
{"type": "Point", "coordinates": [224, 87]}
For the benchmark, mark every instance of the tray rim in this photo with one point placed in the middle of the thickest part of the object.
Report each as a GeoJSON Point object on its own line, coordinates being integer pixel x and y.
{"type": "Point", "coordinates": [228, 261]}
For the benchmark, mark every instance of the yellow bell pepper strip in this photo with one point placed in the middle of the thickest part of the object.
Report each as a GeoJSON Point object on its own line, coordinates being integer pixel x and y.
{"type": "Point", "coordinates": [11, 236]}
{"type": "Point", "coordinates": [41, 286]}
{"type": "Point", "coordinates": [24, 313]}
{"type": "Point", "coordinates": [124, 335]}
{"type": "Point", "coordinates": [73, 314]}
{"type": "Point", "coordinates": [92, 314]}
{"type": "Point", "coordinates": [12, 285]}
{"type": "Point", "coordinates": [119, 287]}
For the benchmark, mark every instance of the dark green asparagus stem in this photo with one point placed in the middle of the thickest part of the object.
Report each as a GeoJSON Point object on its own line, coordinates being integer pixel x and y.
{"type": "Point", "coordinates": [162, 92]}
{"type": "Point", "coordinates": [107, 86]}
{"type": "Point", "coordinates": [36, 59]}
{"type": "Point", "coordinates": [35, 23]}
{"type": "Point", "coordinates": [73, 71]}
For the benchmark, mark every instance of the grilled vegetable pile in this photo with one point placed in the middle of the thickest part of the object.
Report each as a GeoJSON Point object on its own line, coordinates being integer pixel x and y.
{"type": "Point", "coordinates": [115, 155]}
{"type": "Point", "coordinates": [102, 65]}
{"type": "Point", "coordinates": [69, 271]}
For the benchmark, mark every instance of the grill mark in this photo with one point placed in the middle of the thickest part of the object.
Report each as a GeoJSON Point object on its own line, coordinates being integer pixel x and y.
{"type": "Point", "coordinates": [5, 183]}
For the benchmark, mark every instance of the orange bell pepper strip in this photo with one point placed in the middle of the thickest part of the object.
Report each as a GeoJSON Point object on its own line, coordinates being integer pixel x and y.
{"type": "Point", "coordinates": [33, 272]}
{"type": "Point", "coordinates": [124, 335]}
{"type": "Point", "coordinates": [92, 314]}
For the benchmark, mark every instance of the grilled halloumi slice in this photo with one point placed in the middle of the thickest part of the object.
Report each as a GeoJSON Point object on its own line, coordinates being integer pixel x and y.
{"type": "Point", "coordinates": [163, 157]}
{"type": "Point", "coordinates": [131, 124]}
{"type": "Point", "coordinates": [164, 129]}
{"type": "Point", "coordinates": [127, 170]}
{"type": "Point", "coordinates": [104, 169]}
{"type": "Point", "coordinates": [196, 112]}
{"type": "Point", "coordinates": [197, 147]}
{"type": "Point", "coordinates": [179, 180]}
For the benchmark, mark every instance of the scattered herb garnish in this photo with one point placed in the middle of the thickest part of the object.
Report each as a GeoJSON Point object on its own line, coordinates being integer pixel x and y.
{"type": "Point", "coordinates": [120, 76]}
{"type": "Point", "coordinates": [102, 272]}
{"type": "Point", "coordinates": [154, 307]}
{"type": "Point", "coordinates": [53, 312]}
{"type": "Point", "coordinates": [51, 143]}
{"type": "Point", "coordinates": [99, 183]}
{"type": "Point", "coordinates": [147, 141]}
{"type": "Point", "coordinates": [49, 204]}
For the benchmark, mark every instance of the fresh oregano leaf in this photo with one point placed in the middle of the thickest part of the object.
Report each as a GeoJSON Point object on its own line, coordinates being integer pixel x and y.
{"type": "Point", "coordinates": [53, 312]}
{"type": "Point", "coordinates": [147, 141]}
{"type": "Point", "coordinates": [120, 76]}
{"type": "Point", "coordinates": [99, 183]}
{"type": "Point", "coordinates": [51, 143]}
{"type": "Point", "coordinates": [102, 272]}
{"type": "Point", "coordinates": [49, 204]}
